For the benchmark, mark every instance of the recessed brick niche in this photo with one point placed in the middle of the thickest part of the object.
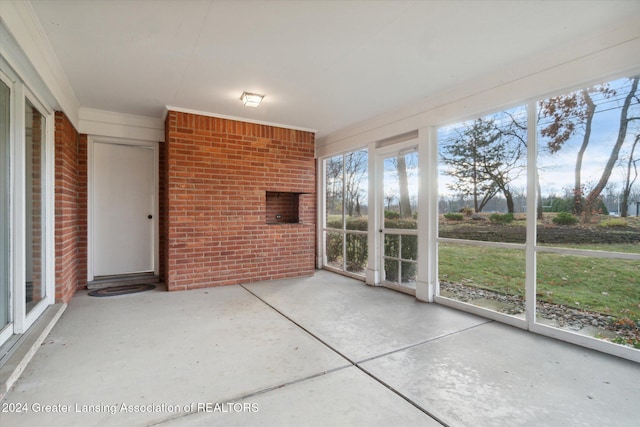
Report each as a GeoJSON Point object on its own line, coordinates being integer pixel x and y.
{"type": "Point", "coordinates": [239, 202]}
{"type": "Point", "coordinates": [282, 207]}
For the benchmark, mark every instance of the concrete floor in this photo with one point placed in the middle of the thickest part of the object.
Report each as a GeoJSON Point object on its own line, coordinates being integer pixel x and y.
{"type": "Point", "coordinates": [324, 350]}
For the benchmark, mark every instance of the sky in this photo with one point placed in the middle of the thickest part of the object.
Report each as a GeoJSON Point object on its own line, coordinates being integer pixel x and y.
{"type": "Point", "coordinates": [557, 170]}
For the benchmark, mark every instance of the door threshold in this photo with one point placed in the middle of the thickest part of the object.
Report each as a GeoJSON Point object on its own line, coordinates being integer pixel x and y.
{"type": "Point", "coordinates": [101, 282]}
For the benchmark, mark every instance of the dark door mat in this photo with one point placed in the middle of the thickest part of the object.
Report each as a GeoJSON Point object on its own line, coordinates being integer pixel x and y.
{"type": "Point", "coordinates": [120, 290]}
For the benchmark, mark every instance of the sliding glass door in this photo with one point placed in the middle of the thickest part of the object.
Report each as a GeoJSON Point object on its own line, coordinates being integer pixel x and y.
{"type": "Point", "coordinates": [26, 206]}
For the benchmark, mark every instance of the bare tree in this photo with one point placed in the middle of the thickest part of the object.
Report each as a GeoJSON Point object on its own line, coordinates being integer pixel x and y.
{"type": "Point", "coordinates": [334, 184]}
{"type": "Point", "coordinates": [630, 178]}
{"type": "Point", "coordinates": [355, 173]}
{"type": "Point", "coordinates": [485, 158]}
{"type": "Point", "coordinates": [569, 114]}
{"type": "Point", "coordinates": [615, 151]}
{"type": "Point", "coordinates": [403, 182]}
{"type": "Point", "coordinates": [345, 177]}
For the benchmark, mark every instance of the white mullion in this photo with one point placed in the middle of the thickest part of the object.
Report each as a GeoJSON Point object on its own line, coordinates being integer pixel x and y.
{"type": "Point", "coordinates": [428, 224]}
{"type": "Point", "coordinates": [401, 231]}
{"type": "Point", "coordinates": [321, 215]}
{"type": "Point", "coordinates": [8, 330]}
{"type": "Point", "coordinates": [344, 215]}
{"type": "Point", "coordinates": [18, 238]}
{"type": "Point", "coordinates": [373, 218]}
{"type": "Point", "coordinates": [532, 200]}
{"type": "Point", "coordinates": [48, 187]}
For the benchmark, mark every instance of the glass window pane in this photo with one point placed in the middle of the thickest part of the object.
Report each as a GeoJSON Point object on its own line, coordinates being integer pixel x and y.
{"type": "Point", "coordinates": [356, 252]}
{"type": "Point", "coordinates": [588, 158]}
{"type": "Point", "coordinates": [401, 191]}
{"type": "Point", "coordinates": [409, 270]}
{"type": "Point", "coordinates": [347, 188]}
{"type": "Point", "coordinates": [598, 297]}
{"type": "Point", "coordinates": [334, 192]}
{"type": "Point", "coordinates": [492, 278]}
{"type": "Point", "coordinates": [356, 190]}
{"type": "Point", "coordinates": [482, 178]}
{"type": "Point", "coordinates": [34, 161]}
{"type": "Point", "coordinates": [392, 245]}
{"type": "Point", "coordinates": [391, 273]}
{"type": "Point", "coordinates": [333, 247]}
{"type": "Point", "coordinates": [409, 247]}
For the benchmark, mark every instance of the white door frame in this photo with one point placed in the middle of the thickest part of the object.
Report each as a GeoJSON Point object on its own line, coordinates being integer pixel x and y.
{"type": "Point", "coordinates": [91, 203]}
{"type": "Point", "coordinates": [427, 202]}
{"type": "Point", "coordinates": [383, 153]}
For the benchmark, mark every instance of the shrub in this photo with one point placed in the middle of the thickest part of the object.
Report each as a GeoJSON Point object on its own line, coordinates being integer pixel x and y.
{"type": "Point", "coordinates": [356, 250]}
{"type": "Point", "coordinates": [454, 216]}
{"type": "Point", "coordinates": [613, 223]}
{"type": "Point", "coordinates": [401, 223]}
{"type": "Point", "coordinates": [391, 215]}
{"type": "Point", "coordinates": [497, 218]}
{"type": "Point", "coordinates": [467, 211]}
{"type": "Point", "coordinates": [560, 205]}
{"type": "Point", "coordinates": [565, 218]}
{"type": "Point", "coordinates": [407, 247]}
{"type": "Point", "coordinates": [356, 244]}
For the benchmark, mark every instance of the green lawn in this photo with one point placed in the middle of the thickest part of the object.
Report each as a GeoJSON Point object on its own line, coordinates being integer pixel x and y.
{"type": "Point", "coordinates": [610, 286]}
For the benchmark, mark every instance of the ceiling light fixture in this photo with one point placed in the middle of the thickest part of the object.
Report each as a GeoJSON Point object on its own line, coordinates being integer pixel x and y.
{"type": "Point", "coordinates": [251, 99]}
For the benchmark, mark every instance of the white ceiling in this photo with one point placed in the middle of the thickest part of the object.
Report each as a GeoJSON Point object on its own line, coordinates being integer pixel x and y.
{"type": "Point", "coordinates": [322, 65]}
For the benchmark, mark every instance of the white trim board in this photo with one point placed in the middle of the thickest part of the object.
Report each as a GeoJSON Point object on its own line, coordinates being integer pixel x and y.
{"type": "Point", "coordinates": [238, 119]}
{"type": "Point", "coordinates": [120, 125]}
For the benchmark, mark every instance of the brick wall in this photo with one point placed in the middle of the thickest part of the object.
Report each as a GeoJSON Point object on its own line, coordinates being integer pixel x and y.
{"type": "Point", "coordinates": [216, 175]}
{"type": "Point", "coordinates": [70, 208]}
{"type": "Point", "coordinates": [162, 200]}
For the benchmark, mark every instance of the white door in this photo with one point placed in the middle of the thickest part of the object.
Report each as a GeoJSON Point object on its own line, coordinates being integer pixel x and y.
{"type": "Point", "coordinates": [399, 233]}
{"type": "Point", "coordinates": [123, 209]}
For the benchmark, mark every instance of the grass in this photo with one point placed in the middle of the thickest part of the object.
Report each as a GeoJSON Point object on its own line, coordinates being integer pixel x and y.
{"type": "Point", "coordinates": [604, 285]}
{"type": "Point", "coordinates": [609, 286]}
{"type": "Point", "coordinates": [500, 270]}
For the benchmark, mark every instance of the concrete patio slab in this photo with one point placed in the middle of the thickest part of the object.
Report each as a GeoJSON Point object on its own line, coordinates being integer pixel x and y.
{"type": "Point", "coordinates": [359, 320]}
{"type": "Point", "coordinates": [497, 375]}
{"type": "Point", "coordinates": [275, 348]}
{"type": "Point", "coordinates": [347, 397]}
{"type": "Point", "coordinates": [160, 348]}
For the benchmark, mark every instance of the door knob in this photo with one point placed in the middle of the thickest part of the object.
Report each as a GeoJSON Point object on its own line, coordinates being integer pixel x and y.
{"type": "Point", "coordinates": [149, 216]}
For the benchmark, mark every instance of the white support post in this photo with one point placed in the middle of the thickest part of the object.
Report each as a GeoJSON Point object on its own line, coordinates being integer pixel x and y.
{"type": "Point", "coordinates": [428, 215]}
{"type": "Point", "coordinates": [532, 201]}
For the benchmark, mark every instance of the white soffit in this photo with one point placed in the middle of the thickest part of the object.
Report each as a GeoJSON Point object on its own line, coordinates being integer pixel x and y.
{"type": "Point", "coordinates": [35, 59]}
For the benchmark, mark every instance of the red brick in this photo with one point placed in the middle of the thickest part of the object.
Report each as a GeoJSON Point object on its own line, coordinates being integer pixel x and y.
{"type": "Point", "coordinates": [214, 177]}
{"type": "Point", "coordinates": [71, 209]}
